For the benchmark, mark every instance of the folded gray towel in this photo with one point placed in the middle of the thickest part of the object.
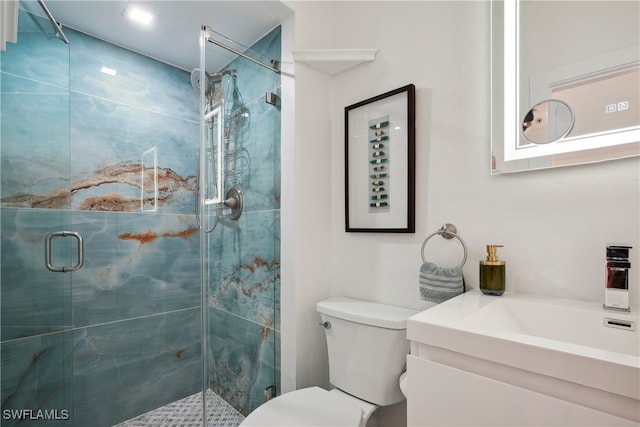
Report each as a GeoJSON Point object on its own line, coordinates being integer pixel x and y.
{"type": "Point", "coordinates": [438, 284]}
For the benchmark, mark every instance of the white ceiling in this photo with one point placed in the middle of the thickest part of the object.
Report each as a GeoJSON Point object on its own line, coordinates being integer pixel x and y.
{"type": "Point", "coordinates": [173, 34]}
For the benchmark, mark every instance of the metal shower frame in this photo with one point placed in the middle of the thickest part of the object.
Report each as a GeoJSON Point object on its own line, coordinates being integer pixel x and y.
{"type": "Point", "coordinates": [275, 65]}
{"type": "Point", "coordinates": [57, 26]}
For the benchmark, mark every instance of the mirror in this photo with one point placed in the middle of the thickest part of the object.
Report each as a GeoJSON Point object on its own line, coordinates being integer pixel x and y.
{"type": "Point", "coordinates": [550, 57]}
{"type": "Point", "coordinates": [548, 121]}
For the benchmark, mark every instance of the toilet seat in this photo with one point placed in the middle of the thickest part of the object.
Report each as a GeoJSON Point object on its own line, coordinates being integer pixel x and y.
{"type": "Point", "coordinates": [311, 406]}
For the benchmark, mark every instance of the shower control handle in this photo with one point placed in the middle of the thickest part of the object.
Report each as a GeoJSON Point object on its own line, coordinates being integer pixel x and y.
{"type": "Point", "coordinates": [231, 202]}
{"type": "Point", "coordinates": [234, 200]}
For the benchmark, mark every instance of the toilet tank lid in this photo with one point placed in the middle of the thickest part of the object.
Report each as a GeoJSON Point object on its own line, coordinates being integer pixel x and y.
{"type": "Point", "coordinates": [366, 312]}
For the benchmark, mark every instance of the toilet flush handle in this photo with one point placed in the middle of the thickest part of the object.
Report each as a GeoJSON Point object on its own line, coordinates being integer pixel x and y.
{"type": "Point", "coordinates": [325, 324]}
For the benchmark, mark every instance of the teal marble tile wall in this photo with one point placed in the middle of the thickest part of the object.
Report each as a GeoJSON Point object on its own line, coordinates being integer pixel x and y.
{"type": "Point", "coordinates": [244, 290]}
{"type": "Point", "coordinates": [26, 58]}
{"type": "Point", "coordinates": [136, 264]}
{"type": "Point", "coordinates": [123, 369]}
{"type": "Point", "coordinates": [36, 374]}
{"type": "Point", "coordinates": [121, 336]}
{"type": "Point", "coordinates": [244, 356]}
{"type": "Point", "coordinates": [35, 301]}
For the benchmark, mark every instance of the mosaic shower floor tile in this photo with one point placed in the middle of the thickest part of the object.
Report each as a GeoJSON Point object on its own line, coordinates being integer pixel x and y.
{"type": "Point", "coordinates": [187, 412]}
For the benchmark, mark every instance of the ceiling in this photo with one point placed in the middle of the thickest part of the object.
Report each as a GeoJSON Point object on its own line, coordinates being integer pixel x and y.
{"type": "Point", "coordinates": [172, 36]}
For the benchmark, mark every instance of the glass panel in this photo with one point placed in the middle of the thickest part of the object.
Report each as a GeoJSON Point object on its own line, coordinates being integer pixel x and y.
{"type": "Point", "coordinates": [36, 337]}
{"type": "Point", "coordinates": [242, 255]}
{"type": "Point", "coordinates": [136, 301]}
{"type": "Point", "coordinates": [112, 157]}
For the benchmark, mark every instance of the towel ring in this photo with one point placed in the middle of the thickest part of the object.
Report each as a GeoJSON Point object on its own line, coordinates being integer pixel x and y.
{"type": "Point", "coordinates": [448, 231]}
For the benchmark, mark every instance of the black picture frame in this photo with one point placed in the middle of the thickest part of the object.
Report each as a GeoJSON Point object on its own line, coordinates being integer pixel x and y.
{"type": "Point", "coordinates": [380, 163]}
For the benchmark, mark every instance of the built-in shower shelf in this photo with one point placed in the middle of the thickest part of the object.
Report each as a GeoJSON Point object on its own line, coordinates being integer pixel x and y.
{"type": "Point", "coordinates": [334, 61]}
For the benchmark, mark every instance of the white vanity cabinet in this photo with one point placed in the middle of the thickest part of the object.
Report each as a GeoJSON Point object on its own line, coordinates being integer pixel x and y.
{"type": "Point", "coordinates": [442, 395]}
{"type": "Point", "coordinates": [474, 361]}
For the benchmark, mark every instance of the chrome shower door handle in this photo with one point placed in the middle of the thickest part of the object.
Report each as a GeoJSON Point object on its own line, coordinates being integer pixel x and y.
{"type": "Point", "coordinates": [47, 251]}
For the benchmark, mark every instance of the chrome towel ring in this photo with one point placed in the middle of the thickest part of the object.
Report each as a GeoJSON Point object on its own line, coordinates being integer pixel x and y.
{"type": "Point", "coordinates": [448, 231]}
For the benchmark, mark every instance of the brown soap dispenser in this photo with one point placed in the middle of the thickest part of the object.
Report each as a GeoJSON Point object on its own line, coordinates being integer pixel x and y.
{"type": "Point", "coordinates": [492, 272]}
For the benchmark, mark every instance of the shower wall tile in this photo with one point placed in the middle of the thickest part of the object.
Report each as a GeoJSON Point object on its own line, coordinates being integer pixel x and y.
{"type": "Point", "coordinates": [35, 150]}
{"type": "Point", "coordinates": [123, 369]}
{"type": "Point", "coordinates": [244, 292]}
{"type": "Point", "coordinates": [109, 134]}
{"type": "Point", "coordinates": [262, 142]}
{"type": "Point", "coordinates": [12, 84]}
{"type": "Point", "coordinates": [261, 139]}
{"type": "Point", "coordinates": [37, 56]}
{"type": "Point", "coordinates": [243, 280]}
{"type": "Point", "coordinates": [135, 265]}
{"type": "Point", "coordinates": [37, 375]}
{"type": "Point", "coordinates": [242, 360]}
{"type": "Point", "coordinates": [30, 23]}
{"type": "Point", "coordinates": [111, 141]}
{"type": "Point", "coordinates": [34, 299]}
{"type": "Point", "coordinates": [254, 80]}
{"type": "Point", "coordinates": [35, 117]}
{"type": "Point", "coordinates": [140, 81]}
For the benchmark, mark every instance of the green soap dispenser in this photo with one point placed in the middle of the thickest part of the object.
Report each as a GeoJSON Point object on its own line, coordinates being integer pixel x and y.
{"type": "Point", "coordinates": [492, 272]}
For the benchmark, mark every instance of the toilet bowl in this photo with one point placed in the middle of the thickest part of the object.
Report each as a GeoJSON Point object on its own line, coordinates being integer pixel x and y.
{"type": "Point", "coordinates": [367, 348]}
{"type": "Point", "coordinates": [403, 383]}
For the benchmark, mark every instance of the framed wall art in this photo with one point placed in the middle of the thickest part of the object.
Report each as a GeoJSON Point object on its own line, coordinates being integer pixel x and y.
{"type": "Point", "coordinates": [380, 163]}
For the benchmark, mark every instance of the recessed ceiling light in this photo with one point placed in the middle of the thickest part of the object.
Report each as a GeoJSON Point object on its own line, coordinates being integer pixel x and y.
{"type": "Point", "coordinates": [139, 15]}
{"type": "Point", "coordinates": [109, 71]}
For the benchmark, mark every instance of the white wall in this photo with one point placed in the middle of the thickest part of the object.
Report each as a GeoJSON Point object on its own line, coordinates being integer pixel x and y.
{"type": "Point", "coordinates": [553, 223]}
{"type": "Point", "coordinates": [305, 206]}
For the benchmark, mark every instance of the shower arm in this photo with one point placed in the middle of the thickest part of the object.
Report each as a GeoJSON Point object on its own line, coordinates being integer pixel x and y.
{"type": "Point", "coordinates": [55, 24]}
{"type": "Point", "coordinates": [273, 68]}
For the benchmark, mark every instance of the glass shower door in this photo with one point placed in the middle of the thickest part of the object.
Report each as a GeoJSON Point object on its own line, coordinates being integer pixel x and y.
{"type": "Point", "coordinates": [113, 158]}
{"type": "Point", "coordinates": [36, 337]}
{"type": "Point", "coordinates": [241, 255]}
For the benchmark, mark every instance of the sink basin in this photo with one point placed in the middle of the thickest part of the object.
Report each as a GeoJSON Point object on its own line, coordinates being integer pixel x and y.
{"type": "Point", "coordinates": [567, 323]}
{"type": "Point", "coordinates": [574, 348]}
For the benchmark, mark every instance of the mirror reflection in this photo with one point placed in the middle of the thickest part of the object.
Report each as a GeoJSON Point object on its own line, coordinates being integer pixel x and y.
{"type": "Point", "coordinates": [548, 121]}
{"type": "Point", "coordinates": [554, 50]}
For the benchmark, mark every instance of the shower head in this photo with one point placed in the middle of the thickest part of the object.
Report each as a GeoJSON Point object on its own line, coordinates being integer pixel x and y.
{"type": "Point", "coordinates": [195, 79]}
{"type": "Point", "coordinates": [210, 79]}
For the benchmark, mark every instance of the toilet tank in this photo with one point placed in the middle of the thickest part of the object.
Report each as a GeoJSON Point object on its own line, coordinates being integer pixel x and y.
{"type": "Point", "coordinates": [367, 345]}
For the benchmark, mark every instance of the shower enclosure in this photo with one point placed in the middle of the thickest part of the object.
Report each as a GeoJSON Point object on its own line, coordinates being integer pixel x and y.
{"type": "Point", "coordinates": [125, 285]}
{"type": "Point", "coordinates": [240, 219]}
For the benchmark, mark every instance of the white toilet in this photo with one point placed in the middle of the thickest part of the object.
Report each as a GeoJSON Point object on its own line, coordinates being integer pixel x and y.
{"type": "Point", "coordinates": [367, 347]}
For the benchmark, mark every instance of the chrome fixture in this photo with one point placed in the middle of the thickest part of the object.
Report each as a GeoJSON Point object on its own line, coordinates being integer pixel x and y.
{"type": "Point", "coordinates": [616, 295]}
{"type": "Point", "coordinates": [625, 325]}
{"type": "Point", "coordinates": [47, 251]}
{"type": "Point", "coordinates": [275, 65]}
{"type": "Point", "coordinates": [326, 324]}
{"type": "Point", "coordinates": [272, 98]}
{"type": "Point", "coordinates": [55, 23]}
{"type": "Point", "coordinates": [447, 231]}
{"type": "Point", "coordinates": [270, 392]}
{"type": "Point", "coordinates": [224, 125]}
{"type": "Point", "coordinates": [234, 200]}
